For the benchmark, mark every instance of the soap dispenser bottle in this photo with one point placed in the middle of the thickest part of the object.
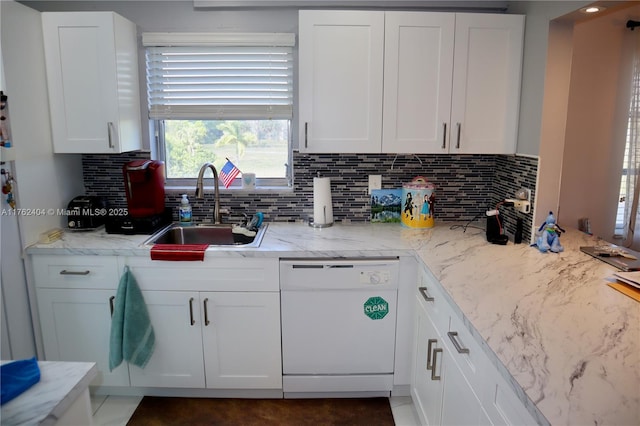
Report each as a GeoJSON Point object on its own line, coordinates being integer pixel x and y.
{"type": "Point", "coordinates": [184, 211]}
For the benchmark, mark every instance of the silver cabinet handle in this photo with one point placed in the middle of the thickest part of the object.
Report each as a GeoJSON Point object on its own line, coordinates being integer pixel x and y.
{"type": "Point", "coordinates": [111, 299]}
{"type": "Point", "coordinates": [191, 311]}
{"type": "Point", "coordinates": [453, 335]}
{"type": "Point", "coordinates": [65, 272]}
{"type": "Point", "coordinates": [306, 132]}
{"type": "Point", "coordinates": [459, 125]}
{"type": "Point", "coordinates": [430, 342]}
{"type": "Point", "coordinates": [423, 291]}
{"type": "Point", "coordinates": [433, 370]}
{"type": "Point", "coordinates": [444, 135]}
{"type": "Point", "coordinates": [206, 313]}
{"type": "Point", "coordinates": [110, 133]}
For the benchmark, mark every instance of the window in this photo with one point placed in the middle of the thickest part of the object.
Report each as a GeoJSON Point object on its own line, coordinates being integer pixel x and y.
{"type": "Point", "coordinates": [626, 218]}
{"type": "Point", "coordinates": [218, 96]}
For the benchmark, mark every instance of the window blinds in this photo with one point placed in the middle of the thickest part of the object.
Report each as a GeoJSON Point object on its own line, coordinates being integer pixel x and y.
{"type": "Point", "coordinates": [204, 76]}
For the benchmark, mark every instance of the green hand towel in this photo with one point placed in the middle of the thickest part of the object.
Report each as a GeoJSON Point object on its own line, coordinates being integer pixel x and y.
{"type": "Point", "coordinates": [132, 336]}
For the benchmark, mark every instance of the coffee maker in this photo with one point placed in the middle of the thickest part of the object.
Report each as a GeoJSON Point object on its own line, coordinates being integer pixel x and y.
{"type": "Point", "coordinates": [144, 188]}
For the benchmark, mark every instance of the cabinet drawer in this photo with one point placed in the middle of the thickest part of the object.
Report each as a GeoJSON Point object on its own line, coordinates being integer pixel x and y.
{"type": "Point", "coordinates": [467, 353]}
{"type": "Point", "coordinates": [210, 275]}
{"type": "Point", "coordinates": [76, 272]}
{"type": "Point", "coordinates": [432, 299]}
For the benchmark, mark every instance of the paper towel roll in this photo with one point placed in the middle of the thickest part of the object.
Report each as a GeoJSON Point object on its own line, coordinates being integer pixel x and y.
{"type": "Point", "coordinates": [322, 204]}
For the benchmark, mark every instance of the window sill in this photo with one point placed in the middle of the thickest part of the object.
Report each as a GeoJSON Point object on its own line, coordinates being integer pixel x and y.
{"type": "Point", "coordinates": [186, 189]}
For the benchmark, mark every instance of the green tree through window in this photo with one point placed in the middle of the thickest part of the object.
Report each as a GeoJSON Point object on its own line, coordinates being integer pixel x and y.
{"type": "Point", "coordinates": [257, 146]}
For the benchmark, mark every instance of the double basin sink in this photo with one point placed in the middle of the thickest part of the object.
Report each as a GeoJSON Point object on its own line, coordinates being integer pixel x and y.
{"type": "Point", "coordinates": [214, 235]}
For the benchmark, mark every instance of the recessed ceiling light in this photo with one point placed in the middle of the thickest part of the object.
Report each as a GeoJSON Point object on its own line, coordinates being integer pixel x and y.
{"type": "Point", "coordinates": [592, 9]}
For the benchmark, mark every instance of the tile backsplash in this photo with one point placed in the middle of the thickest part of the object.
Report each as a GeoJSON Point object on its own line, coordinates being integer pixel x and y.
{"type": "Point", "coordinates": [466, 185]}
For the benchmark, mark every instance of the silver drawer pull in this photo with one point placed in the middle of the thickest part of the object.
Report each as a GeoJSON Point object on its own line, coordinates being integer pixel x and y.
{"type": "Point", "coordinates": [206, 311]}
{"type": "Point", "coordinates": [444, 135]}
{"type": "Point", "coordinates": [430, 342]}
{"type": "Point", "coordinates": [306, 134]}
{"type": "Point", "coordinates": [453, 335]}
{"type": "Point", "coordinates": [65, 272]}
{"type": "Point", "coordinates": [433, 370]}
{"type": "Point", "coordinates": [110, 134]}
{"type": "Point", "coordinates": [191, 320]}
{"type": "Point", "coordinates": [423, 291]}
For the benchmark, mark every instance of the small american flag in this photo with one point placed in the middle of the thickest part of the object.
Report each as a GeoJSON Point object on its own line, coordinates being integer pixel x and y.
{"type": "Point", "coordinates": [228, 173]}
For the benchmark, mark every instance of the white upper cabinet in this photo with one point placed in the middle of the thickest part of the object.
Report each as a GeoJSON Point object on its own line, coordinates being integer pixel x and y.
{"type": "Point", "coordinates": [417, 81]}
{"type": "Point", "coordinates": [92, 75]}
{"type": "Point", "coordinates": [486, 83]}
{"type": "Point", "coordinates": [451, 82]}
{"type": "Point", "coordinates": [340, 81]}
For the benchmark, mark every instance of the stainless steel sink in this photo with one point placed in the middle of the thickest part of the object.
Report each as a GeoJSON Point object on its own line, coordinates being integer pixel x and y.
{"type": "Point", "coordinates": [214, 235]}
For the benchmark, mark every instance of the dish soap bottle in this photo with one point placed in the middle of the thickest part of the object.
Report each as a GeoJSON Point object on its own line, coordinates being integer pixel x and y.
{"type": "Point", "coordinates": [184, 211]}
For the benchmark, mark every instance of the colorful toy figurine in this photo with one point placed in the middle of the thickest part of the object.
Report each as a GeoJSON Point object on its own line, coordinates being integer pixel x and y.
{"type": "Point", "coordinates": [549, 239]}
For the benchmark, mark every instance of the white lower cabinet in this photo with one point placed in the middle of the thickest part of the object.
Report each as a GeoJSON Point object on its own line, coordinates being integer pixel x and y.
{"type": "Point", "coordinates": [211, 339]}
{"type": "Point", "coordinates": [454, 382]}
{"type": "Point", "coordinates": [76, 325]}
{"type": "Point", "coordinates": [460, 404]}
{"type": "Point", "coordinates": [427, 384]}
{"type": "Point", "coordinates": [246, 356]}
{"type": "Point", "coordinates": [216, 323]}
{"type": "Point", "coordinates": [177, 358]}
{"type": "Point", "coordinates": [440, 390]}
{"type": "Point", "coordinates": [75, 302]}
{"type": "Point", "coordinates": [501, 403]}
{"type": "Point", "coordinates": [217, 340]}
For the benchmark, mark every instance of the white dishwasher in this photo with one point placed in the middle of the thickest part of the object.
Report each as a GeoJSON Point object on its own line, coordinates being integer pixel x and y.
{"type": "Point", "coordinates": [338, 325]}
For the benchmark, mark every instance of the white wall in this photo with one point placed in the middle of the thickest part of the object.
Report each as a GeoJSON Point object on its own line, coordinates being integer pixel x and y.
{"type": "Point", "coordinates": [43, 180]}
{"type": "Point", "coordinates": [554, 120]}
{"type": "Point", "coordinates": [536, 42]}
{"type": "Point", "coordinates": [596, 121]}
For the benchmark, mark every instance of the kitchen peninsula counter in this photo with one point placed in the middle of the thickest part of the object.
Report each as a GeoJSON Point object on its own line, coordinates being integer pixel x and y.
{"type": "Point", "coordinates": [569, 340]}
{"type": "Point", "coordinates": [60, 396]}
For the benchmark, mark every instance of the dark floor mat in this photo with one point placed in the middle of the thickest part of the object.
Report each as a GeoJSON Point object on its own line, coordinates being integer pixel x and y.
{"type": "Point", "coordinates": [156, 411]}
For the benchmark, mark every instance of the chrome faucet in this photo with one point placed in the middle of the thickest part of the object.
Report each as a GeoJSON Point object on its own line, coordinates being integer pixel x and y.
{"type": "Point", "coordinates": [200, 190]}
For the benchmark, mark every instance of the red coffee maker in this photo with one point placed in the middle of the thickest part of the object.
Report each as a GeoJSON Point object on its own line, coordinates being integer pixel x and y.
{"type": "Point", "coordinates": [144, 185]}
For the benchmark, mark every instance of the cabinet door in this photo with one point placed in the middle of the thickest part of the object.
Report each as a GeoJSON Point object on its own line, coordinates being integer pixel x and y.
{"type": "Point", "coordinates": [460, 405]}
{"type": "Point", "coordinates": [427, 383]}
{"type": "Point", "coordinates": [340, 81]}
{"type": "Point", "coordinates": [76, 326]}
{"type": "Point", "coordinates": [418, 64]}
{"type": "Point", "coordinates": [92, 76]}
{"type": "Point", "coordinates": [241, 337]}
{"type": "Point", "coordinates": [486, 83]}
{"type": "Point", "coordinates": [501, 403]}
{"type": "Point", "coordinates": [177, 358]}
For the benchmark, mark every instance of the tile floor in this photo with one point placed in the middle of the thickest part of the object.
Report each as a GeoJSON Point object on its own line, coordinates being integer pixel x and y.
{"type": "Point", "coordinates": [116, 410]}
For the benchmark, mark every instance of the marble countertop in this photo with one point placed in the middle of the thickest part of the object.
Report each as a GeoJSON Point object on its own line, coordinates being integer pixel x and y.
{"type": "Point", "coordinates": [61, 383]}
{"type": "Point", "coordinates": [567, 339]}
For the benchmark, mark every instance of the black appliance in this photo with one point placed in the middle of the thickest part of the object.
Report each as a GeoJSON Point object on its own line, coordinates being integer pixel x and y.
{"type": "Point", "coordinates": [86, 212]}
{"type": "Point", "coordinates": [138, 225]}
